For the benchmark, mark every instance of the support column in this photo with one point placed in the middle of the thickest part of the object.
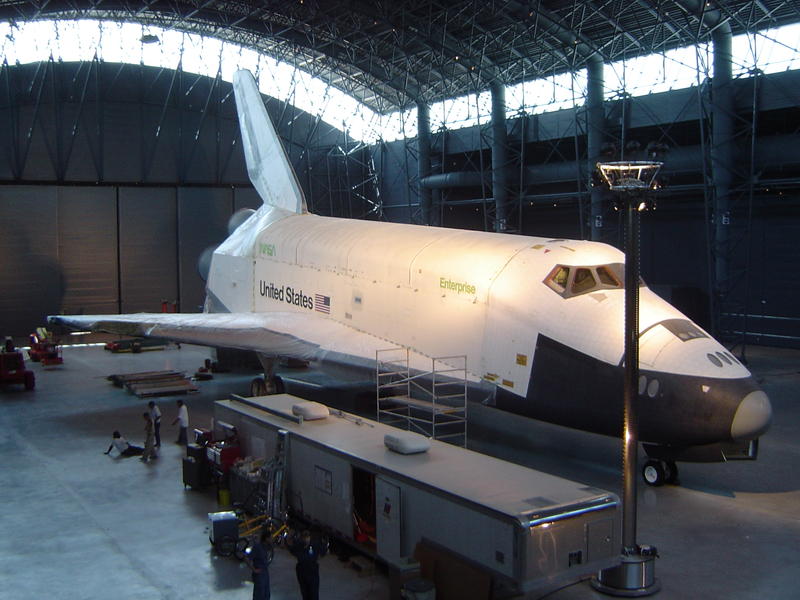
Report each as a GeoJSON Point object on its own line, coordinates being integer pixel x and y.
{"type": "Point", "coordinates": [424, 159]}
{"type": "Point", "coordinates": [722, 151]}
{"type": "Point", "coordinates": [595, 129]}
{"type": "Point", "coordinates": [499, 156]}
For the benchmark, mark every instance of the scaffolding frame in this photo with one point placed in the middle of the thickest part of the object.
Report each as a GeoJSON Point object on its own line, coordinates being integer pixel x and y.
{"type": "Point", "coordinates": [270, 492]}
{"type": "Point", "coordinates": [432, 403]}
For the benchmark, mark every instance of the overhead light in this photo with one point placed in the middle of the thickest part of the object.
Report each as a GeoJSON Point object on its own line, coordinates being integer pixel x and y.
{"type": "Point", "coordinates": [149, 38]}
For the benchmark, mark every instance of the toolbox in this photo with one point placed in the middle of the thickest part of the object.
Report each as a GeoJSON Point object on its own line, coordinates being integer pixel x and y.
{"type": "Point", "coordinates": [223, 524]}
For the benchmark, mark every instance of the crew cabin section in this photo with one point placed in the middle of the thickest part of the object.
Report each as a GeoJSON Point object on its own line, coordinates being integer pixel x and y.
{"type": "Point", "coordinates": [387, 490]}
{"type": "Point", "coordinates": [522, 303]}
{"type": "Point", "coordinates": [576, 295]}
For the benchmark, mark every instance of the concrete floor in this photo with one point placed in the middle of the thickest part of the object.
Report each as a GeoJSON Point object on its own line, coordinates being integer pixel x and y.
{"type": "Point", "coordinates": [78, 524]}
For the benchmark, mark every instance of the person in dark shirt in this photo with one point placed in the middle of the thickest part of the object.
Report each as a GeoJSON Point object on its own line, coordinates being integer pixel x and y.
{"type": "Point", "coordinates": [258, 561]}
{"type": "Point", "coordinates": [155, 415]}
{"type": "Point", "coordinates": [150, 439]}
{"type": "Point", "coordinates": [307, 569]}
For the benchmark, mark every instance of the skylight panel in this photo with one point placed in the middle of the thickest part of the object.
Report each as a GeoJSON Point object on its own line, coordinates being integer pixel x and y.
{"type": "Point", "coordinates": [767, 51]}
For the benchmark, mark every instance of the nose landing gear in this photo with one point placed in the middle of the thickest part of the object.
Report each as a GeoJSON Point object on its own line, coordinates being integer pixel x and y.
{"type": "Point", "coordinates": [659, 472]}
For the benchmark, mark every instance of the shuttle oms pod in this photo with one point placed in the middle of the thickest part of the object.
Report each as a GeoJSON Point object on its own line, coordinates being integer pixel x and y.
{"type": "Point", "coordinates": [528, 529]}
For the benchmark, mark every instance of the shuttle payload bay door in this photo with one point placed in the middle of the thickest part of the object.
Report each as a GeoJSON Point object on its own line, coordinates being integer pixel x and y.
{"type": "Point", "coordinates": [388, 519]}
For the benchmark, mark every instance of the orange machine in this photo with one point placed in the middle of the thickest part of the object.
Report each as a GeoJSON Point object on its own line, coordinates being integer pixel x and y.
{"type": "Point", "coordinates": [44, 348]}
{"type": "Point", "coordinates": [12, 370]}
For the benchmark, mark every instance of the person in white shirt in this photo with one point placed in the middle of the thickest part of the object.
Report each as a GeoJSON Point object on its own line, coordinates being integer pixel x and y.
{"type": "Point", "coordinates": [122, 446]}
{"type": "Point", "coordinates": [155, 415]}
{"type": "Point", "coordinates": [183, 421]}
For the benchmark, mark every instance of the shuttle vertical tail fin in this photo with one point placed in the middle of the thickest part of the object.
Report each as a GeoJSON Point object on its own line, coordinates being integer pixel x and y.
{"type": "Point", "coordinates": [267, 163]}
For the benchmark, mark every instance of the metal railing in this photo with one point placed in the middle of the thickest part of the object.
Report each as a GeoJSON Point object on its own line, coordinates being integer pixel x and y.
{"type": "Point", "coordinates": [432, 403]}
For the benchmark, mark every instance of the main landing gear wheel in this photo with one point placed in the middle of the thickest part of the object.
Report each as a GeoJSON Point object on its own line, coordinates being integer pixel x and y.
{"type": "Point", "coordinates": [659, 472]}
{"type": "Point", "coordinates": [258, 387]}
{"type": "Point", "coordinates": [671, 472]}
{"type": "Point", "coordinates": [261, 387]}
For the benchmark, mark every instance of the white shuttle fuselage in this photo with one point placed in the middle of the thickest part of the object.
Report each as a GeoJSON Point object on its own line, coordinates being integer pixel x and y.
{"type": "Point", "coordinates": [440, 292]}
{"type": "Point", "coordinates": [493, 298]}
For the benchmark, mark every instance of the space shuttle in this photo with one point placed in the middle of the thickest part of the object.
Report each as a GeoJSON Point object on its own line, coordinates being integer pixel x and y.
{"type": "Point", "coordinates": [539, 320]}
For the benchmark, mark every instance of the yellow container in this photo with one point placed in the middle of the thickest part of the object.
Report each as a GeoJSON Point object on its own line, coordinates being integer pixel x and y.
{"type": "Point", "coordinates": [224, 498]}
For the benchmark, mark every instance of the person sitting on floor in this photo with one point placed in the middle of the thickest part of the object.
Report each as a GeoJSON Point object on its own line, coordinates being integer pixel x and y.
{"type": "Point", "coordinates": [122, 446]}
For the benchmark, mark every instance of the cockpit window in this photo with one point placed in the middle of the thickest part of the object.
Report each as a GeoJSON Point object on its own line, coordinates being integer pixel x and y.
{"type": "Point", "coordinates": [575, 281]}
{"type": "Point", "coordinates": [604, 273]}
{"type": "Point", "coordinates": [559, 278]}
{"type": "Point", "coordinates": [583, 282]}
{"type": "Point", "coordinates": [683, 329]}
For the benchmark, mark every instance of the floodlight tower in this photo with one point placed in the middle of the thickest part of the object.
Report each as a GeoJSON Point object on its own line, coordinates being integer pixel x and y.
{"type": "Point", "coordinates": [632, 182]}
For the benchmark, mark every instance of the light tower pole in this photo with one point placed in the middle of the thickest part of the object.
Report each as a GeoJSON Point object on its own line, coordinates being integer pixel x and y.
{"type": "Point", "coordinates": [635, 575]}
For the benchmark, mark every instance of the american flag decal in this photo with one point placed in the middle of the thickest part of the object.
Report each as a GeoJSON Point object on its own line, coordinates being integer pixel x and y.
{"type": "Point", "coordinates": [322, 303]}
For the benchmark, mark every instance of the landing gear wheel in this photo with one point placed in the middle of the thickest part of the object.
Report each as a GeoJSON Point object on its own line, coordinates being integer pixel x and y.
{"type": "Point", "coordinates": [671, 472]}
{"type": "Point", "coordinates": [653, 473]}
{"type": "Point", "coordinates": [258, 387]}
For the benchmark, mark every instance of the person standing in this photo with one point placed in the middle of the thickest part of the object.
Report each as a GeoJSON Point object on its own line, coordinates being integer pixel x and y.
{"type": "Point", "coordinates": [307, 569]}
{"type": "Point", "coordinates": [155, 415]}
{"type": "Point", "coordinates": [183, 420]}
{"type": "Point", "coordinates": [258, 561]}
{"type": "Point", "coordinates": [149, 438]}
{"type": "Point", "coordinates": [122, 446]}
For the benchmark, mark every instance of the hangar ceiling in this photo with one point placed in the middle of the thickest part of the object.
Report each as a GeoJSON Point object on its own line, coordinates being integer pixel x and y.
{"type": "Point", "coordinates": [391, 54]}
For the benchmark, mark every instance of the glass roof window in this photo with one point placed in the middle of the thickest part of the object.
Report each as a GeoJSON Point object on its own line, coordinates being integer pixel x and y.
{"type": "Point", "coordinates": [765, 51]}
{"type": "Point", "coordinates": [570, 280]}
{"type": "Point", "coordinates": [133, 43]}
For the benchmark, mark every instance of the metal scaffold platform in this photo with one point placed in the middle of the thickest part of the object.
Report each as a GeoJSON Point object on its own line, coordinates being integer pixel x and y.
{"type": "Point", "coordinates": [432, 403]}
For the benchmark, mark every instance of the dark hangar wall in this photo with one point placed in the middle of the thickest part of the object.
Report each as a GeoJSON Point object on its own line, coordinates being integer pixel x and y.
{"type": "Point", "coordinates": [114, 178]}
{"type": "Point", "coordinates": [105, 249]}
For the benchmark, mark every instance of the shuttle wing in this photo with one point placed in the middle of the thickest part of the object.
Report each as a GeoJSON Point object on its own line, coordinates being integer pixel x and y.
{"type": "Point", "coordinates": [276, 333]}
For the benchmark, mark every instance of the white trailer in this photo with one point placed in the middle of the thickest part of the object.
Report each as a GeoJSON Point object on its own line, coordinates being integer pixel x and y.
{"type": "Point", "coordinates": [528, 529]}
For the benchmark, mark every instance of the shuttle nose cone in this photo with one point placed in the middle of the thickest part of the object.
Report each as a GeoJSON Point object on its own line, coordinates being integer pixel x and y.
{"type": "Point", "coordinates": [752, 418]}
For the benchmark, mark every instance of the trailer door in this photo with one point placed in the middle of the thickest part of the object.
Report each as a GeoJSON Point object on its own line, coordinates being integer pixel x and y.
{"type": "Point", "coordinates": [389, 520]}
